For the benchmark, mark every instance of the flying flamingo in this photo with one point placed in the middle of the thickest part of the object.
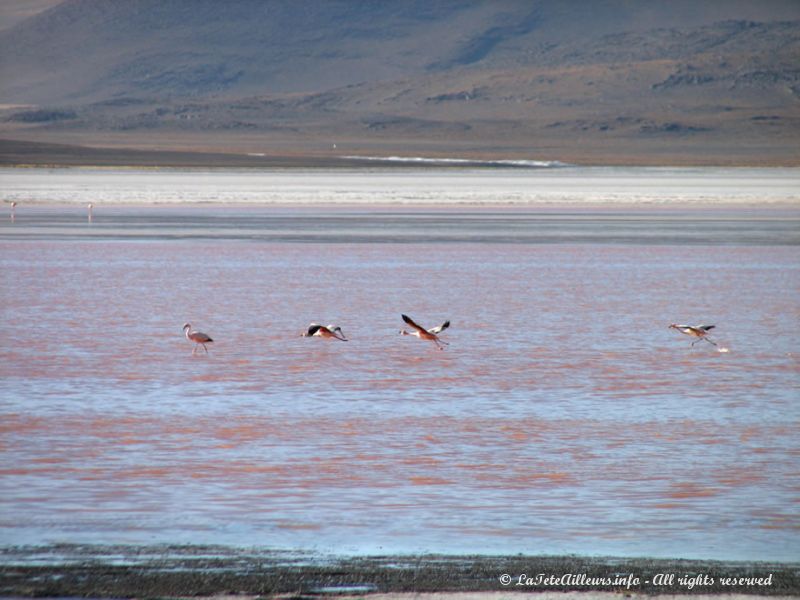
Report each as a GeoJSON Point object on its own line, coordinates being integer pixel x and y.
{"type": "Point", "coordinates": [698, 331]}
{"type": "Point", "coordinates": [199, 338]}
{"type": "Point", "coordinates": [426, 334]}
{"type": "Point", "coordinates": [327, 332]}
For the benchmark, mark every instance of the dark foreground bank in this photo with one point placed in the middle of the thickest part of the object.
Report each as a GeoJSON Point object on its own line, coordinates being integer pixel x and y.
{"type": "Point", "coordinates": [116, 571]}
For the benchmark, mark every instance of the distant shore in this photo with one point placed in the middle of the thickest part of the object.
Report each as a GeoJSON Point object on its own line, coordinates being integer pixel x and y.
{"type": "Point", "coordinates": [33, 154]}
{"type": "Point", "coordinates": [132, 571]}
{"type": "Point", "coordinates": [22, 153]}
{"type": "Point", "coordinates": [422, 184]}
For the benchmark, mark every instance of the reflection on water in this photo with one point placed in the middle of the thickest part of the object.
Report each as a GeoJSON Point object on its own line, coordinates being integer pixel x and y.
{"type": "Point", "coordinates": [563, 417]}
{"type": "Point", "coordinates": [729, 226]}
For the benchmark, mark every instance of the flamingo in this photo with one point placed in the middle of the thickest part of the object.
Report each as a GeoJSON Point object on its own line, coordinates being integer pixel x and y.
{"type": "Point", "coordinates": [89, 206]}
{"type": "Point", "coordinates": [328, 332]}
{"type": "Point", "coordinates": [426, 334]}
{"type": "Point", "coordinates": [199, 338]}
{"type": "Point", "coordinates": [698, 331]}
{"type": "Point", "coordinates": [13, 206]}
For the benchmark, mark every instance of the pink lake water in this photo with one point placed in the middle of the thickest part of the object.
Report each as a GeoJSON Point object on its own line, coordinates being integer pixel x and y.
{"type": "Point", "coordinates": [564, 416]}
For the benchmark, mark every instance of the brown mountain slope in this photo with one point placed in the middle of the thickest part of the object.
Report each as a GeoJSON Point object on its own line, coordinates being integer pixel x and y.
{"type": "Point", "coordinates": [593, 81]}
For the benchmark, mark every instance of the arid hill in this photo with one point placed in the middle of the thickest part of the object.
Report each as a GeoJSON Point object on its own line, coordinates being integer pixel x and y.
{"type": "Point", "coordinates": [600, 81]}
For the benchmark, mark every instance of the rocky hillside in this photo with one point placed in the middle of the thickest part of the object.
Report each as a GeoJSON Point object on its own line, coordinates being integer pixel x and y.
{"type": "Point", "coordinates": [490, 76]}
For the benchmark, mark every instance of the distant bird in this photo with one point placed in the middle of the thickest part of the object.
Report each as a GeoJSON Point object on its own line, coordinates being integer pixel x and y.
{"type": "Point", "coordinates": [698, 331]}
{"type": "Point", "coordinates": [13, 206]}
{"type": "Point", "coordinates": [90, 211]}
{"type": "Point", "coordinates": [199, 338]}
{"type": "Point", "coordinates": [426, 334]}
{"type": "Point", "coordinates": [434, 330]}
{"type": "Point", "coordinates": [328, 332]}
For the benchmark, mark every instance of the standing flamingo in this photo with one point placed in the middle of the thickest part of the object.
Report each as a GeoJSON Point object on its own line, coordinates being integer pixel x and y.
{"type": "Point", "coordinates": [13, 215]}
{"type": "Point", "coordinates": [426, 334]}
{"type": "Point", "coordinates": [199, 338]}
{"type": "Point", "coordinates": [89, 207]}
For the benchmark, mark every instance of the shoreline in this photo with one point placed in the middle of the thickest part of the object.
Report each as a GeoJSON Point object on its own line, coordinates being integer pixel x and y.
{"type": "Point", "coordinates": [598, 206]}
{"type": "Point", "coordinates": [37, 154]}
{"type": "Point", "coordinates": [208, 571]}
{"type": "Point", "coordinates": [408, 188]}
